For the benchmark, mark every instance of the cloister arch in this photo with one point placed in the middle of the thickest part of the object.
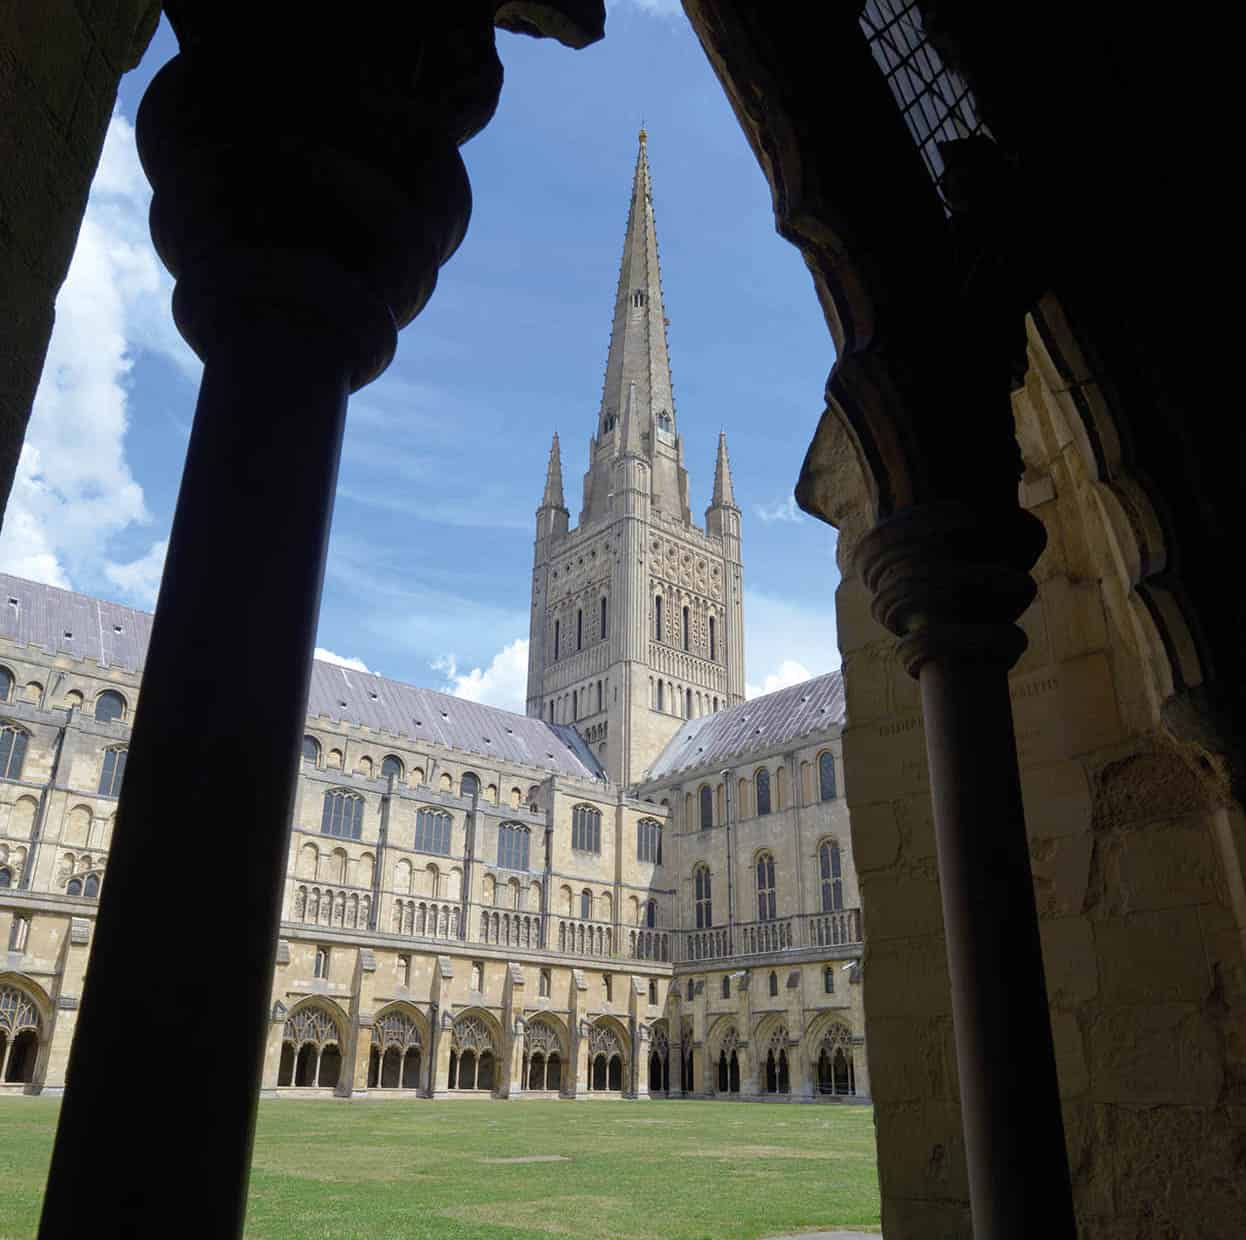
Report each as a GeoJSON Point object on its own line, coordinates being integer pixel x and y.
{"type": "Point", "coordinates": [609, 1054]}
{"type": "Point", "coordinates": [312, 1044]}
{"type": "Point", "coordinates": [659, 1058]}
{"type": "Point", "coordinates": [396, 1058]}
{"type": "Point", "coordinates": [476, 1044]}
{"type": "Point", "coordinates": [546, 1054]}
{"type": "Point", "coordinates": [725, 1054]}
{"type": "Point", "coordinates": [25, 1010]}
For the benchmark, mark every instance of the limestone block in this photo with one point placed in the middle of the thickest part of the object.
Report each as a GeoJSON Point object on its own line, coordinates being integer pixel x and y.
{"type": "Point", "coordinates": [1056, 799]}
{"type": "Point", "coordinates": [901, 905]}
{"type": "Point", "coordinates": [905, 977]}
{"type": "Point", "coordinates": [919, 1058]}
{"type": "Point", "coordinates": [1088, 1140]}
{"type": "Point", "coordinates": [1070, 962]}
{"type": "Point", "coordinates": [1061, 870]}
{"type": "Point", "coordinates": [926, 1153]}
{"type": "Point", "coordinates": [1146, 1055]}
{"type": "Point", "coordinates": [905, 1219]}
{"type": "Point", "coordinates": [1037, 653]}
{"type": "Point", "coordinates": [1074, 616]}
{"type": "Point", "coordinates": [854, 623]}
{"type": "Point", "coordinates": [1070, 1057]}
{"type": "Point", "coordinates": [1167, 867]}
{"type": "Point", "coordinates": [866, 680]}
{"type": "Point", "coordinates": [1152, 957]}
{"type": "Point", "coordinates": [915, 815]}
{"type": "Point", "coordinates": [884, 761]}
{"type": "Point", "coordinates": [875, 837]}
{"type": "Point", "coordinates": [1147, 786]}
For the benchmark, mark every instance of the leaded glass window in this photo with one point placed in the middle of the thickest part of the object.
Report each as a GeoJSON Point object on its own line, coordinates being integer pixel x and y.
{"type": "Point", "coordinates": [826, 776]}
{"type": "Point", "coordinates": [765, 888]}
{"type": "Point", "coordinates": [762, 782]}
{"type": "Point", "coordinates": [649, 841]}
{"type": "Point", "coordinates": [831, 869]}
{"type": "Point", "coordinates": [342, 815]}
{"type": "Point", "coordinates": [109, 707]}
{"type": "Point", "coordinates": [432, 831]}
{"type": "Point", "coordinates": [707, 807]}
{"type": "Point", "coordinates": [13, 743]}
{"type": "Point", "coordinates": [112, 772]}
{"type": "Point", "coordinates": [586, 829]}
{"type": "Point", "coordinates": [513, 846]}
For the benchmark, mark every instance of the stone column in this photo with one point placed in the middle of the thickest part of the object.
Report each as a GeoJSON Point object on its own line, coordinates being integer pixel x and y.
{"type": "Point", "coordinates": [749, 1087]}
{"type": "Point", "coordinates": [581, 1060]}
{"type": "Point", "coordinates": [951, 583]}
{"type": "Point", "coordinates": [272, 1050]}
{"type": "Point", "coordinates": [799, 1073]}
{"type": "Point", "coordinates": [517, 1082]}
{"type": "Point", "coordinates": [441, 1070]}
{"type": "Point", "coordinates": [308, 187]}
{"type": "Point", "coordinates": [643, 1048]}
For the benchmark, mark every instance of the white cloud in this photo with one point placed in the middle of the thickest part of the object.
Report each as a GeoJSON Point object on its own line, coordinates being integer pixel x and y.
{"type": "Point", "coordinates": [74, 492]}
{"type": "Point", "coordinates": [140, 579]}
{"type": "Point", "coordinates": [503, 683]}
{"type": "Point", "coordinates": [354, 663]}
{"type": "Point", "coordinates": [780, 510]}
{"type": "Point", "coordinates": [790, 673]}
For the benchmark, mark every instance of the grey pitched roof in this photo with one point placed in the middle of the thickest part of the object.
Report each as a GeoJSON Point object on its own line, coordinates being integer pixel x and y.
{"type": "Point", "coordinates": [62, 622]}
{"type": "Point", "coordinates": [759, 726]}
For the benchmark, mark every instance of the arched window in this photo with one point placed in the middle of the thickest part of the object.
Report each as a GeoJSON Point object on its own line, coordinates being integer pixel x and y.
{"type": "Point", "coordinates": [91, 887]}
{"type": "Point", "coordinates": [73, 887]}
{"type": "Point", "coordinates": [765, 888]}
{"type": "Point", "coordinates": [657, 617]}
{"type": "Point", "coordinates": [311, 750]}
{"type": "Point", "coordinates": [469, 785]}
{"type": "Point", "coordinates": [113, 771]}
{"type": "Point", "coordinates": [513, 846]}
{"type": "Point", "coordinates": [311, 1052]}
{"type": "Point", "coordinates": [6, 684]}
{"type": "Point", "coordinates": [687, 703]}
{"type": "Point", "coordinates": [605, 632]}
{"type": "Point", "coordinates": [651, 914]}
{"type": "Point", "coordinates": [649, 841]}
{"type": "Point", "coordinates": [707, 807]}
{"type": "Point", "coordinates": [343, 815]}
{"type": "Point", "coordinates": [579, 628]}
{"type": "Point", "coordinates": [826, 775]}
{"type": "Point", "coordinates": [774, 983]}
{"type": "Point", "coordinates": [432, 831]}
{"type": "Point", "coordinates": [391, 767]}
{"type": "Point", "coordinates": [557, 636]}
{"type": "Point", "coordinates": [599, 697]}
{"type": "Point", "coordinates": [713, 640]}
{"type": "Point", "coordinates": [828, 979]}
{"type": "Point", "coordinates": [661, 695]}
{"type": "Point", "coordinates": [690, 989]}
{"type": "Point", "coordinates": [586, 829]}
{"type": "Point", "coordinates": [109, 707]}
{"type": "Point", "coordinates": [586, 904]}
{"type": "Point", "coordinates": [831, 870]}
{"type": "Point", "coordinates": [19, 1035]}
{"type": "Point", "coordinates": [726, 985]}
{"type": "Point", "coordinates": [762, 784]}
{"type": "Point", "coordinates": [665, 423]}
{"type": "Point", "coordinates": [13, 741]}
{"type": "Point", "coordinates": [6, 876]}
{"type": "Point", "coordinates": [704, 897]}
{"type": "Point", "coordinates": [687, 629]}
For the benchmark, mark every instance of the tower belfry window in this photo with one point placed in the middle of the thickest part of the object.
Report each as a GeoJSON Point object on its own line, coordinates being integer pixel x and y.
{"type": "Point", "coordinates": [638, 298]}
{"type": "Point", "coordinates": [687, 630]}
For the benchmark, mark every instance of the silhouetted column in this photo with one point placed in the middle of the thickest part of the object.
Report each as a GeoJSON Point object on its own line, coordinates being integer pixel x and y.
{"type": "Point", "coordinates": [952, 583]}
{"type": "Point", "coordinates": [308, 187]}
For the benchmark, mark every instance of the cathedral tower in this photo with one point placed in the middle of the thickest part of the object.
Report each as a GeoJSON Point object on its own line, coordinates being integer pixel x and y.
{"type": "Point", "coordinates": [637, 614]}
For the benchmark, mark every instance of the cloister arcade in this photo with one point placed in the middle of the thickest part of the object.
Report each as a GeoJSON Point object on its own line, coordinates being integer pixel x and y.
{"type": "Point", "coordinates": [397, 1051]}
{"type": "Point", "coordinates": [474, 1050]}
{"type": "Point", "coordinates": [311, 1048]}
{"type": "Point", "coordinates": [20, 1033]}
{"type": "Point", "coordinates": [544, 1054]}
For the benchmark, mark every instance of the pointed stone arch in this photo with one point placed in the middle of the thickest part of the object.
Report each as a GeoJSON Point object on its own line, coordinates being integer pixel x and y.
{"type": "Point", "coordinates": [312, 1045]}
{"type": "Point", "coordinates": [398, 1054]}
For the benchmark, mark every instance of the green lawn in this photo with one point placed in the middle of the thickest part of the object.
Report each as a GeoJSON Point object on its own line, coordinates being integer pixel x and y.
{"type": "Point", "coordinates": [665, 1170]}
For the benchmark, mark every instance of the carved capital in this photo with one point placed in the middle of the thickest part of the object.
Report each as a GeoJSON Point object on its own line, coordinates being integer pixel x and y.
{"type": "Point", "coordinates": [952, 581]}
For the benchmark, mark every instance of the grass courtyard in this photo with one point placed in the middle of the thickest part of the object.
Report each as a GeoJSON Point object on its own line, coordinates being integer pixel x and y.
{"type": "Point", "coordinates": [456, 1170]}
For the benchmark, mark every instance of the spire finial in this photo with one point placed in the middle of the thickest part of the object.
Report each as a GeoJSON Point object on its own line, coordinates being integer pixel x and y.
{"type": "Point", "coordinates": [724, 492]}
{"type": "Point", "coordinates": [553, 497]}
{"type": "Point", "coordinates": [644, 137]}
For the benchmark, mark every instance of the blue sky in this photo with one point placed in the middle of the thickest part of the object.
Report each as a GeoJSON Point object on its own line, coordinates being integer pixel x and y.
{"type": "Point", "coordinates": [444, 460]}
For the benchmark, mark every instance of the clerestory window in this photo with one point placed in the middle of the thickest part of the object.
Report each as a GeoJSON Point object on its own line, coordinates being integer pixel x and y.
{"type": "Point", "coordinates": [342, 815]}
{"type": "Point", "coordinates": [513, 846]}
{"type": "Point", "coordinates": [586, 829]}
{"type": "Point", "coordinates": [113, 771]}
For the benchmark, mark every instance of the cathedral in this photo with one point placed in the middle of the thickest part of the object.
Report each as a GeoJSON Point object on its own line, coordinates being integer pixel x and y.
{"type": "Point", "coordinates": [643, 887]}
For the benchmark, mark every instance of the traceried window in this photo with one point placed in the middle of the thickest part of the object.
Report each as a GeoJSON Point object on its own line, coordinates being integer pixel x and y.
{"type": "Point", "coordinates": [831, 868]}
{"type": "Point", "coordinates": [586, 829]}
{"type": "Point", "coordinates": [13, 742]}
{"type": "Point", "coordinates": [391, 767]}
{"type": "Point", "coordinates": [513, 846]}
{"type": "Point", "coordinates": [826, 776]}
{"type": "Point", "coordinates": [109, 707]}
{"type": "Point", "coordinates": [704, 897]}
{"type": "Point", "coordinates": [432, 832]}
{"type": "Point", "coordinates": [311, 750]}
{"type": "Point", "coordinates": [6, 684]}
{"type": "Point", "coordinates": [765, 888]}
{"type": "Point", "coordinates": [762, 785]}
{"type": "Point", "coordinates": [707, 807]}
{"type": "Point", "coordinates": [649, 841]}
{"type": "Point", "coordinates": [342, 815]}
{"type": "Point", "coordinates": [113, 771]}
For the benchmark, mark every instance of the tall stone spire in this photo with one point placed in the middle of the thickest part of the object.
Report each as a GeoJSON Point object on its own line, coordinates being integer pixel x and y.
{"type": "Point", "coordinates": [553, 497]}
{"type": "Point", "coordinates": [724, 493]}
{"type": "Point", "coordinates": [637, 414]}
